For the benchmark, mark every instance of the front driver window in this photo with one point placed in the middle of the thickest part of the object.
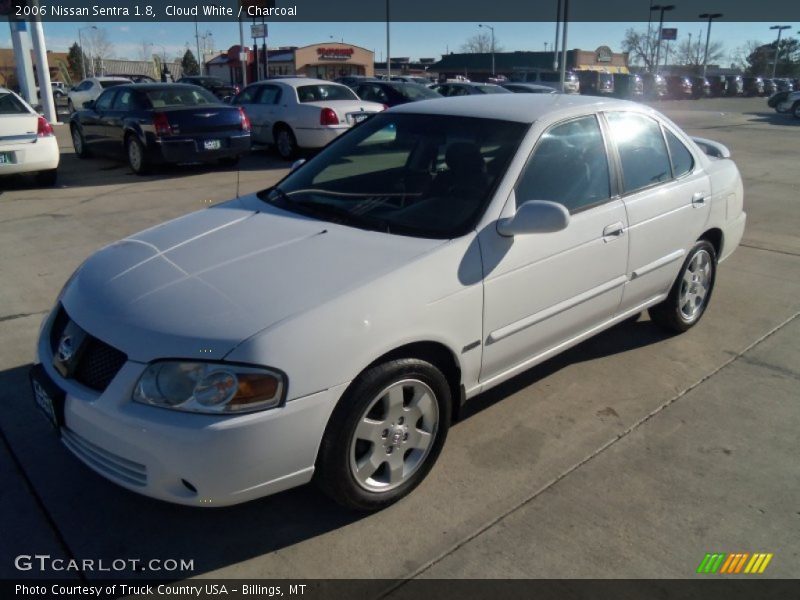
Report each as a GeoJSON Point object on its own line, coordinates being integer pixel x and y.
{"type": "Point", "coordinates": [568, 166]}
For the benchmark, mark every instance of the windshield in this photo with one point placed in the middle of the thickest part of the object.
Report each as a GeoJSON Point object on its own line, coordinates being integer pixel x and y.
{"type": "Point", "coordinates": [179, 96]}
{"type": "Point", "coordinates": [419, 175]}
{"type": "Point", "coordinates": [317, 93]}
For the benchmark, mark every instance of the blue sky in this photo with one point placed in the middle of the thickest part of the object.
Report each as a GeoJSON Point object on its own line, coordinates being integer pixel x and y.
{"type": "Point", "coordinates": [408, 39]}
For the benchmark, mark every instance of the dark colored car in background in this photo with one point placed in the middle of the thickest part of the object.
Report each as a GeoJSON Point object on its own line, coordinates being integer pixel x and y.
{"type": "Point", "coordinates": [135, 78]}
{"type": "Point", "coordinates": [679, 87]}
{"type": "Point", "coordinates": [735, 86]}
{"type": "Point", "coordinates": [701, 87]}
{"type": "Point", "coordinates": [460, 88]}
{"type": "Point", "coordinates": [214, 85]}
{"type": "Point", "coordinates": [784, 84]}
{"type": "Point", "coordinates": [719, 85]}
{"type": "Point", "coordinates": [352, 81]}
{"type": "Point", "coordinates": [752, 86]}
{"type": "Point", "coordinates": [392, 93]}
{"type": "Point", "coordinates": [160, 123]}
{"type": "Point", "coordinates": [596, 83]}
{"type": "Point", "coordinates": [628, 85]}
{"type": "Point", "coordinates": [653, 86]}
{"type": "Point", "coordinates": [769, 86]}
{"type": "Point", "coordinates": [528, 88]}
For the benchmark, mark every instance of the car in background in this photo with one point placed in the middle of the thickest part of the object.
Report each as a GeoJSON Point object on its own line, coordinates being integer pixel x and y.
{"type": "Point", "coordinates": [352, 81]}
{"type": "Point", "coordinates": [528, 88]}
{"type": "Point", "coordinates": [549, 78]}
{"type": "Point", "coordinates": [27, 142]}
{"type": "Point", "coordinates": [796, 84]}
{"type": "Point", "coordinates": [215, 85]}
{"type": "Point", "coordinates": [136, 78]}
{"type": "Point", "coordinates": [596, 83]}
{"type": "Point", "coordinates": [316, 330]}
{"type": "Point", "coordinates": [628, 85]}
{"type": "Point", "coordinates": [452, 88]}
{"type": "Point", "coordinates": [784, 84]}
{"type": "Point", "coordinates": [90, 89]}
{"type": "Point", "coordinates": [297, 113]}
{"type": "Point", "coordinates": [701, 87]}
{"type": "Point", "coordinates": [770, 87]}
{"type": "Point", "coordinates": [719, 85]}
{"type": "Point", "coordinates": [654, 86]}
{"type": "Point", "coordinates": [752, 86]}
{"type": "Point", "coordinates": [735, 86]}
{"type": "Point", "coordinates": [786, 102]}
{"type": "Point", "coordinates": [393, 93]}
{"type": "Point", "coordinates": [679, 87]}
{"type": "Point", "coordinates": [160, 123]}
{"type": "Point", "coordinates": [59, 89]}
{"type": "Point", "coordinates": [411, 79]}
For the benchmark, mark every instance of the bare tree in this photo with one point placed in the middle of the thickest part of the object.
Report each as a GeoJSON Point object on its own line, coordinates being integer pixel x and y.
{"type": "Point", "coordinates": [640, 47]}
{"type": "Point", "coordinates": [691, 52]}
{"type": "Point", "coordinates": [480, 43]}
{"type": "Point", "coordinates": [100, 49]}
{"type": "Point", "coordinates": [745, 55]}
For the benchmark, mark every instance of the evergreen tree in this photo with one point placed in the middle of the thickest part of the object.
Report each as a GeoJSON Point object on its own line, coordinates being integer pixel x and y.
{"type": "Point", "coordinates": [189, 64]}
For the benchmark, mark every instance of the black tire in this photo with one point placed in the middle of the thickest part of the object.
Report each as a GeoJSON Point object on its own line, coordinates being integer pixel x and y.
{"type": "Point", "coordinates": [46, 178]}
{"type": "Point", "coordinates": [285, 142]}
{"type": "Point", "coordinates": [334, 474]}
{"type": "Point", "coordinates": [134, 149]}
{"type": "Point", "coordinates": [679, 312]}
{"type": "Point", "coordinates": [796, 110]}
{"type": "Point", "coordinates": [79, 142]}
{"type": "Point", "coordinates": [229, 161]}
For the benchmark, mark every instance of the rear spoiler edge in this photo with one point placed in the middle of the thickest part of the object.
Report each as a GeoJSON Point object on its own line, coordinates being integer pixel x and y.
{"type": "Point", "coordinates": [712, 148]}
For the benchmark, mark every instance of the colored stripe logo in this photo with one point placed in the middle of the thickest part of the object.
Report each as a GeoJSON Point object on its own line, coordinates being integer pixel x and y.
{"type": "Point", "coordinates": [734, 563]}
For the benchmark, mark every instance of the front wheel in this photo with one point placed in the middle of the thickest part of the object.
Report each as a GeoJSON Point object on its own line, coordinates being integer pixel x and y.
{"type": "Point", "coordinates": [385, 435]}
{"type": "Point", "coordinates": [691, 292]}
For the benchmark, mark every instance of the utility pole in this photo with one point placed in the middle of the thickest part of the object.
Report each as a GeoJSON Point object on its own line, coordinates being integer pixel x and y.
{"type": "Point", "coordinates": [564, 47]}
{"type": "Point", "coordinates": [555, 44]}
{"type": "Point", "coordinates": [710, 17]}
{"type": "Point", "coordinates": [780, 29]}
{"type": "Point", "coordinates": [662, 8]}
{"type": "Point", "coordinates": [492, 30]}
{"type": "Point", "coordinates": [388, 46]}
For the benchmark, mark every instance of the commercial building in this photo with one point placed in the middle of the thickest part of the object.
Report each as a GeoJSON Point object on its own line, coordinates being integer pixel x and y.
{"type": "Point", "coordinates": [478, 66]}
{"type": "Point", "coordinates": [327, 60]}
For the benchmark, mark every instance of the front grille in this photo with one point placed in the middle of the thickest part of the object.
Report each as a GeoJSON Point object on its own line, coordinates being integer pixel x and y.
{"type": "Point", "coordinates": [108, 463]}
{"type": "Point", "coordinates": [98, 364]}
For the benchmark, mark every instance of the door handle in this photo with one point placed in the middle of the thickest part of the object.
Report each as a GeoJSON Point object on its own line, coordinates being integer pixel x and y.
{"type": "Point", "coordinates": [614, 230]}
{"type": "Point", "coordinates": [699, 199]}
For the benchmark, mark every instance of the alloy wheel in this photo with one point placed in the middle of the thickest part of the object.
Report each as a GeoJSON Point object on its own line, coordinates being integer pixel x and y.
{"type": "Point", "coordinates": [695, 286]}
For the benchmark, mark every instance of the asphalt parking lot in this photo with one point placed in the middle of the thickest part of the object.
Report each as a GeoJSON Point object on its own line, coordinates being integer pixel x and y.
{"type": "Point", "coordinates": [631, 455]}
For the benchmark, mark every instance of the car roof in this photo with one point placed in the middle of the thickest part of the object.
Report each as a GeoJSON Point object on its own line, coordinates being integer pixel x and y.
{"type": "Point", "coordinates": [522, 108]}
{"type": "Point", "coordinates": [110, 78]}
{"type": "Point", "coordinates": [298, 81]}
{"type": "Point", "coordinates": [149, 87]}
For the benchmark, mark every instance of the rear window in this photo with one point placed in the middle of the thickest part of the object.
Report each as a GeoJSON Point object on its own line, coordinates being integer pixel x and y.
{"type": "Point", "coordinates": [321, 92]}
{"type": "Point", "coordinates": [179, 97]}
{"type": "Point", "coordinates": [112, 82]}
{"type": "Point", "coordinates": [11, 105]}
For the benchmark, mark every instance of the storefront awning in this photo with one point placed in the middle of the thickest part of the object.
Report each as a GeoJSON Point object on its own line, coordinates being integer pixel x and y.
{"type": "Point", "coordinates": [602, 68]}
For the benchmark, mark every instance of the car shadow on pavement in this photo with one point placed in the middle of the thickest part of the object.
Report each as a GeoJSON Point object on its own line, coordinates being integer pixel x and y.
{"type": "Point", "coordinates": [772, 118]}
{"type": "Point", "coordinates": [98, 519]}
{"type": "Point", "coordinates": [98, 171]}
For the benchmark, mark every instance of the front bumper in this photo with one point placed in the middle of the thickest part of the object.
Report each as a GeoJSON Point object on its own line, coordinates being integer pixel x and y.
{"type": "Point", "coordinates": [190, 148]}
{"type": "Point", "coordinates": [197, 460]}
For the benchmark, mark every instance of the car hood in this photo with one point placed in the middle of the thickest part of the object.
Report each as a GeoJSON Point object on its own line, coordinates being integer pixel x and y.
{"type": "Point", "coordinates": [201, 284]}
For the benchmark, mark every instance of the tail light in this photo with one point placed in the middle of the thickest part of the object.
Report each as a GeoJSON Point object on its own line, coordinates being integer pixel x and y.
{"type": "Point", "coordinates": [43, 128]}
{"type": "Point", "coordinates": [161, 124]}
{"type": "Point", "coordinates": [385, 107]}
{"type": "Point", "coordinates": [244, 120]}
{"type": "Point", "coordinates": [328, 116]}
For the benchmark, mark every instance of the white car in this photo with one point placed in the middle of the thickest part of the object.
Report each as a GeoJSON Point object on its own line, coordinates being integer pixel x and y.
{"type": "Point", "coordinates": [331, 326]}
{"type": "Point", "coordinates": [27, 141]}
{"type": "Point", "coordinates": [299, 112]}
{"type": "Point", "coordinates": [90, 89]}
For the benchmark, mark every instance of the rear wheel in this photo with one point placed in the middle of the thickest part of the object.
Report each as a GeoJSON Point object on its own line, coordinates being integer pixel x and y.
{"type": "Point", "coordinates": [796, 110]}
{"type": "Point", "coordinates": [385, 435]}
{"type": "Point", "coordinates": [46, 178]}
{"type": "Point", "coordinates": [79, 142]}
{"type": "Point", "coordinates": [691, 292]}
{"type": "Point", "coordinates": [285, 143]}
{"type": "Point", "coordinates": [136, 156]}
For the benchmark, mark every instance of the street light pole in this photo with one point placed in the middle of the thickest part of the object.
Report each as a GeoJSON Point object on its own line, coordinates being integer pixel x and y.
{"type": "Point", "coordinates": [662, 8]}
{"type": "Point", "coordinates": [555, 44]}
{"type": "Point", "coordinates": [80, 43]}
{"type": "Point", "coordinates": [780, 29]}
{"type": "Point", "coordinates": [710, 17]}
{"type": "Point", "coordinates": [563, 72]}
{"type": "Point", "coordinates": [492, 30]}
{"type": "Point", "coordinates": [388, 46]}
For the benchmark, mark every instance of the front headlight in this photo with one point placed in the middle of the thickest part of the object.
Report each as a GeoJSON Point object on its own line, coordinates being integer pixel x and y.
{"type": "Point", "coordinates": [207, 387]}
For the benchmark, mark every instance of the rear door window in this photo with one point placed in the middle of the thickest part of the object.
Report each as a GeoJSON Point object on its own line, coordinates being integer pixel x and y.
{"type": "Point", "coordinates": [270, 94]}
{"type": "Point", "coordinates": [682, 160]}
{"type": "Point", "coordinates": [642, 151]}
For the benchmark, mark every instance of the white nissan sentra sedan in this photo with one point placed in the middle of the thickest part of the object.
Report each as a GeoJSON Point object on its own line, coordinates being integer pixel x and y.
{"type": "Point", "coordinates": [331, 326]}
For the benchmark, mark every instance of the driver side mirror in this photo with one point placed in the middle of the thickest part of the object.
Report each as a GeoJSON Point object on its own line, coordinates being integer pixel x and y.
{"type": "Point", "coordinates": [535, 216]}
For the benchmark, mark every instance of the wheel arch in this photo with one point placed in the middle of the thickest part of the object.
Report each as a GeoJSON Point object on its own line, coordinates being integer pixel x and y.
{"type": "Point", "coordinates": [715, 237]}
